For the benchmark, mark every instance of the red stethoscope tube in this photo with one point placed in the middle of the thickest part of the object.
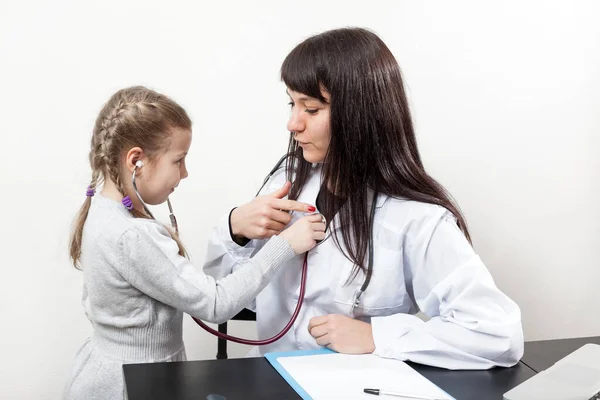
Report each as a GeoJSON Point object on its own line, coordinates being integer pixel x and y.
{"type": "Point", "coordinates": [280, 334]}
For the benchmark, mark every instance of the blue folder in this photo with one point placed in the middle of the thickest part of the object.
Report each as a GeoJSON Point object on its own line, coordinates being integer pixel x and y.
{"type": "Point", "coordinates": [272, 358]}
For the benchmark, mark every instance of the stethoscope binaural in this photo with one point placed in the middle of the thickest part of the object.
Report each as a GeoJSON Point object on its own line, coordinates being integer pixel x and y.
{"type": "Point", "coordinates": [357, 295]}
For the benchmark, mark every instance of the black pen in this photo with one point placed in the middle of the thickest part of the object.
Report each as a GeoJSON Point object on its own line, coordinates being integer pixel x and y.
{"type": "Point", "coordinates": [379, 392]}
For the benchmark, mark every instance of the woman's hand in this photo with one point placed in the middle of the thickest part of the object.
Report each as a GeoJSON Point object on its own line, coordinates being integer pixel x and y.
{"type": "Point", "coordinates": [266, 215]}
{"type": "Point", "coordinates": [342, 334]}
{"type": "Point", "coordinates": [304, 233]}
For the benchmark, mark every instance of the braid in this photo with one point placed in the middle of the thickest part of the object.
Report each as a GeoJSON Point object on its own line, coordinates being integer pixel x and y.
{"type": "Point", "coordinates": [116, 178]}
{"type": "Point", "coordinates": [95, 179]}
{"type": "Point", "coordinates": [106, 142]}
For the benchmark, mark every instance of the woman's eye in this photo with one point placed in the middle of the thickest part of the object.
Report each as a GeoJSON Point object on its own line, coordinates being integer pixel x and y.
{"type": "Point", "coordinates": [312, 111]}
{"type": "Point", "coordinates": [291, 104]}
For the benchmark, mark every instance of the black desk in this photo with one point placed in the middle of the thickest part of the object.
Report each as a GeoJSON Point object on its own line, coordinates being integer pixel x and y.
{"type": "Point", "coordinates": [543, 354]}
{"type": "Point", "coordinates": [476, 385]}
{"type": "Point", "coordinates": [254, 378]}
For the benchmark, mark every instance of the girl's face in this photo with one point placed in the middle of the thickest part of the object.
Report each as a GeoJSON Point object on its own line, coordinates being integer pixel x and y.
{"type": "Point", "coordinates": [309, 121]}
{"type": "Point", "coordinates": [156, 180]}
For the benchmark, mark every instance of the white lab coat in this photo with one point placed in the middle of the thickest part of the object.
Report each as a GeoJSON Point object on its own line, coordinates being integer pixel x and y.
{"type": "Point", "coordinates": [422, 263]}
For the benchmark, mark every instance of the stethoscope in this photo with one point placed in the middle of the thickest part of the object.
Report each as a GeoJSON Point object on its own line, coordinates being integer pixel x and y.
{"type": "Point", "coordinates": [288, 326]}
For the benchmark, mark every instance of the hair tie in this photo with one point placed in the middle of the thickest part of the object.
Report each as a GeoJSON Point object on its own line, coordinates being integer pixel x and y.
{"type": "Point", "coordinates": [90, 191]}
{"type": "Point", "coordinates": [127, 202]}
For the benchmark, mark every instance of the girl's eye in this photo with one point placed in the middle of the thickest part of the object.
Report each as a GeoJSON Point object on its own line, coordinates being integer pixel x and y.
{"type": "Point", "coordinates": [312, 111]}
{"type": "Point", "coordinates": [291, 104]}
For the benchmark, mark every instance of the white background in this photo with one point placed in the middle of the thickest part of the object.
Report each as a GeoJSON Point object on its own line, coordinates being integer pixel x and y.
{"type": "Point", "coordinates": [506, 100]}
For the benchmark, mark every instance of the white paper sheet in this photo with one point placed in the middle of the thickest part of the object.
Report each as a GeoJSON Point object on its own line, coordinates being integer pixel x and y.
{"type": "Point", "coordinates": [343, 376]}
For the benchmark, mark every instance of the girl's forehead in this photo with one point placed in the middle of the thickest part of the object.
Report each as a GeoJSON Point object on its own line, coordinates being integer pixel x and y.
{"type": "Point", "coordinates": [181, 139]}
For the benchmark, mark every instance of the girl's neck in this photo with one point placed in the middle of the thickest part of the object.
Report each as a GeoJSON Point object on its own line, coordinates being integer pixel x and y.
{"type": "Point", "coordinates": [109, 190]}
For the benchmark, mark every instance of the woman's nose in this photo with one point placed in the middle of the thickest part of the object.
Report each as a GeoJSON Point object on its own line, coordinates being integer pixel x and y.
{"type": "Point", "coordinates": [295, 123]}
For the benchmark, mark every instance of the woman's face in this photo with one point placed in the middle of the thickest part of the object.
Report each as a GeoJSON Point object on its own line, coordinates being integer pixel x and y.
{"type": "Point", "coordinates": [309, 121]}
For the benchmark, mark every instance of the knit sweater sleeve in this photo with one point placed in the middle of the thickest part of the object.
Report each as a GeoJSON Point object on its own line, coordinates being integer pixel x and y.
{"type": "Point", "coordinates": [149, 261]}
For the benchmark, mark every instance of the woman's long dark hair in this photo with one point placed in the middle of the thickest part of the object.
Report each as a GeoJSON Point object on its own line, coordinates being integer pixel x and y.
{"type": "Point", "coordinates": [373, 144]}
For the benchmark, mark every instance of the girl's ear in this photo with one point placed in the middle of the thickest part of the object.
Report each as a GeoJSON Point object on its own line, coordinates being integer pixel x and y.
{"type": "Point", "coordinates": [134, 155]}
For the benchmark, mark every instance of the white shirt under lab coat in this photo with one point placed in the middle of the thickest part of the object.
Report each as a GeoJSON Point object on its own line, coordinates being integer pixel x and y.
{"type": "Point", "coordinates": [422, 263]}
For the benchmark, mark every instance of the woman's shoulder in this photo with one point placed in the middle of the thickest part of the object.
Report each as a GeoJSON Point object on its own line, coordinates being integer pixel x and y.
{"type": "Point", "coordinates": [404, 215]}
{"type": "Point", "coordinates": [412, 208]}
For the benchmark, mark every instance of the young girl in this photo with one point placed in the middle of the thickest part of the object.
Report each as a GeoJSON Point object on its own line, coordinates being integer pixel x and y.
{"type": "Point", "coordinates": [397, 244]}
{"type": "Point", "coordinates": [137, 282]}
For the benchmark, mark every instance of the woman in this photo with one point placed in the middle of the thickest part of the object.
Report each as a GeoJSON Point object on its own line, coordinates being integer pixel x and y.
{"type": "Point", "coordinates": [353, 151]}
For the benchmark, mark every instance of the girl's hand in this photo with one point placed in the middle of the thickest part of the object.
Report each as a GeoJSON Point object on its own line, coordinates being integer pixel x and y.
{"type": "Point", "coordinates": [304, 233]}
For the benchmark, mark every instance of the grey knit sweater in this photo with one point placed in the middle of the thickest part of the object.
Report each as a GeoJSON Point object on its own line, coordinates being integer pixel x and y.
{"type": "Point", "coordinates": [136, 289]}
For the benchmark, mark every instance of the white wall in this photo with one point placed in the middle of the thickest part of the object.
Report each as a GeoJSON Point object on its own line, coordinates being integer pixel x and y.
{"type": "Point", "coordinates": [506, 98]}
